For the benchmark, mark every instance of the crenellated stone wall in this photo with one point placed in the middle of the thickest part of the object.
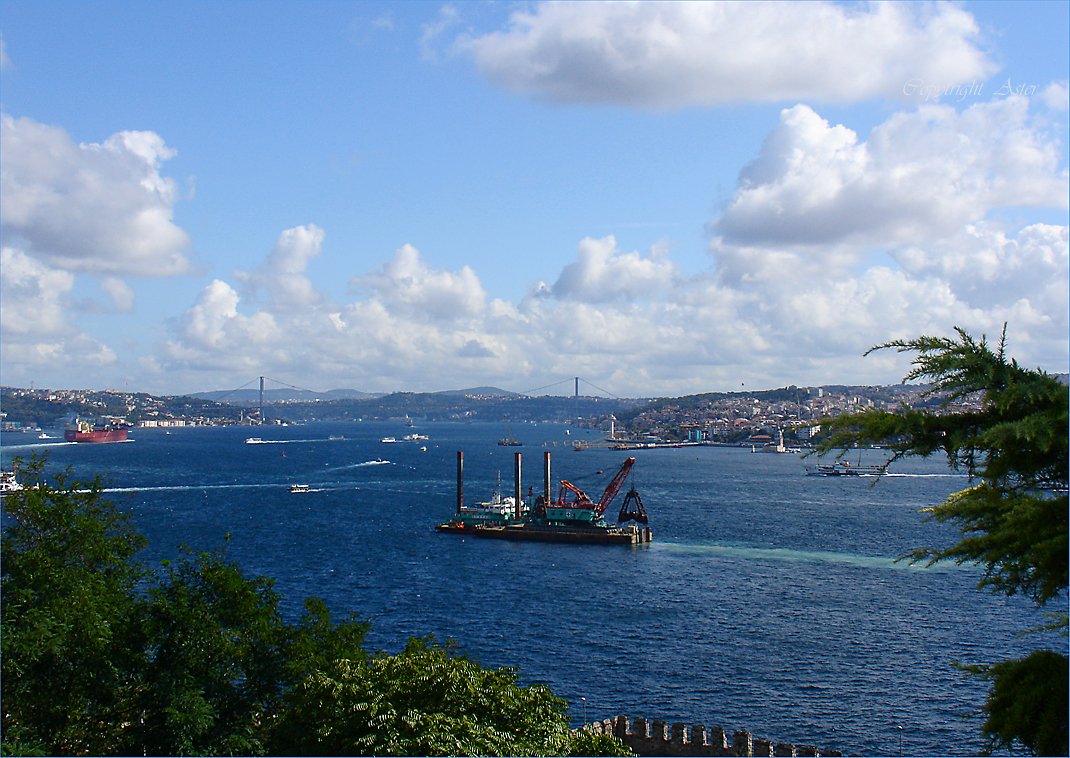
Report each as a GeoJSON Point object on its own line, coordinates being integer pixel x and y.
{"type": "Point", "coordinates": [658, 738]}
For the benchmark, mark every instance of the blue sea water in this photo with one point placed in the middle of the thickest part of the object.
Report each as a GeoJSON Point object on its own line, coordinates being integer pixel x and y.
{"type": "Point", "coordinates": [770, 601]}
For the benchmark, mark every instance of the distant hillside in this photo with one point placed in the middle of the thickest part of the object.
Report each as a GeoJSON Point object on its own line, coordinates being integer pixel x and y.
{"type": "Point", "coordinates": [285, 395]}
{"type": "Point", "coordinates": [249, 397]}
{"type": "Point", "coordinates": [478, 392]}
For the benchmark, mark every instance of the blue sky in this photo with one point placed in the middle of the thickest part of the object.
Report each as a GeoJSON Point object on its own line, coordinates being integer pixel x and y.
{"type": "Point", "coordinates": [660, 198]}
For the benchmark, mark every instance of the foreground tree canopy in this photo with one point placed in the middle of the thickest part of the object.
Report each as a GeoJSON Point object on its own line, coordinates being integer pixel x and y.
{"type": "Point", "coordinates": [101, 656]}
{"type": "Point", "coordinates": [1013, 444]}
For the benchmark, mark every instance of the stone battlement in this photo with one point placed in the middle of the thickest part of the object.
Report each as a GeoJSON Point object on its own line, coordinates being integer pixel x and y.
{"type": "Point", "coordinates": [658, 738]}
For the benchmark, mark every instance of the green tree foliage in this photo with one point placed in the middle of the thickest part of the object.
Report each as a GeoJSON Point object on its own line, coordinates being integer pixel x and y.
{"type": "Point", "coordinates": [69, 619]}
{"type": "Point", "coordinates": [427, 700]}
{"type": "Point", "coordinates": [100, 656]}
{"type": "Point", "coordinates": [1012, 441]}
{"type": "Point", "coordinates": [1028, 704]}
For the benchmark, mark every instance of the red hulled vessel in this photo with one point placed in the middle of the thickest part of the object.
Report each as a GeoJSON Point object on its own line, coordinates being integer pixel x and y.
{"type": "Point", "coordinates": [83, 431]}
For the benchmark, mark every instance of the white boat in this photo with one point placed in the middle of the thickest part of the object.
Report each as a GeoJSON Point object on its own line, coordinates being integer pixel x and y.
{"type": "Point", "coordinates": [296, 488]}
{"type": "Point", "coordinates": [415, 437]}
{"type": "Point", "coordinates": [388, 440]}
{"type": "Point", "coordinates": [8, 482]}
{"type": "Point", "coordinates": [254, 441]}
{"type": "Point", "coordinates": [505, 506]}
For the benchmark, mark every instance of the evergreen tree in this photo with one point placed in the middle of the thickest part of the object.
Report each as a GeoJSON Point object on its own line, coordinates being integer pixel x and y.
{"type": "Point", "coordinates": [1012, 442]}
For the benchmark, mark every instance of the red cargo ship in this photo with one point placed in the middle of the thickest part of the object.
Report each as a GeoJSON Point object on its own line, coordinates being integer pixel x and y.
{"type": "Point", "coordinates": [83, 431]}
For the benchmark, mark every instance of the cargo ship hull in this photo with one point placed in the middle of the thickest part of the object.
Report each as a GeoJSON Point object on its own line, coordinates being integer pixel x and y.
{"type": "Point", "coordinates": [95, 435]}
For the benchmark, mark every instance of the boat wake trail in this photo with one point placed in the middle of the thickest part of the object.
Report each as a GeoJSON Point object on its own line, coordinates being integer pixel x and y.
{"type": "Point", "coordinates": [377, 462]}
{"type": "Point", "coordinates": [190, 487]}
{"type": "Point", "coordinates": [200, 487]}
{"type": "Point", "coordinates": [950, 474]}
{"type": "Point", "coordinates": [803, 556]}
{"type": "Point", "coordinates": [37, 445]}
{"type": "Point", "coordinates": [258, 441]}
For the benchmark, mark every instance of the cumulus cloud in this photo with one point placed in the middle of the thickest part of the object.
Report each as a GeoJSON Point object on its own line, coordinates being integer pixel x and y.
{"type": "Point", "coordinates": [35, 297]}
{"type": "Point", "coordinates": [415, 327]}
{"type": "Point", "coordinates": [603, 274]}
{"type": "Point", "coordinates": [406, 285]}
{"type": "Point", "coordinates": [409, 317]}
{"type": "Point", "coordinates": [1057, 96]}
{"type": "Point", "coordinates": [675, 54]}
{"type": "Point", "coordinates": [93, 207]}
{"type": "Point", "coordinates": [282, 276]}
{"type": "Point", "coordinates": [920, 175]}
{"type": "Point", "coordinates": [35, 312]}
{"type": "Point", "coordinates": [989, 269]}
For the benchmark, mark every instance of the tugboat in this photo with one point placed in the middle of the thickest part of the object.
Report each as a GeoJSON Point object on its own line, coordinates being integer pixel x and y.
{"type": "Point", "coordinates": [83, 431]}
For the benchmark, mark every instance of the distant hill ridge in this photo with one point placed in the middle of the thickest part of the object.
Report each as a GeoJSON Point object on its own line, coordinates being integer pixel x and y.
{"type": "Point", "coordinates": [287, 394]}
{"type": "Point", "coordinates": [252, 396]}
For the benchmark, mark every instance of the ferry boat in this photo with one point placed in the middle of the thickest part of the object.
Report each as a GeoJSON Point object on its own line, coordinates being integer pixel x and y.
{"type": "Point", "coordinates": [299, 488]}
{"type": "Point", "coordinates": [83, 431]}
{"type": "Point", "coordinates": [844, 468]}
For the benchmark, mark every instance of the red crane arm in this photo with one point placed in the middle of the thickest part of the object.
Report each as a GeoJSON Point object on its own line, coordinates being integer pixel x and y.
{"type": "Point", "coordinates": [582, 499]}
{"type": "Point", "coordinates": [614, 486]}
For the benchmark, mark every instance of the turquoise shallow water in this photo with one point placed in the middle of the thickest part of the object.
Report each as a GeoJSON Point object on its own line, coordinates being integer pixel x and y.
{"type": "Point", "coordinates": [770, 601]}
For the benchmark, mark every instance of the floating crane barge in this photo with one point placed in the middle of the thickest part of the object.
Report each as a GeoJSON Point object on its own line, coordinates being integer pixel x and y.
{"type": "Point", "coordinates": [573, 517]}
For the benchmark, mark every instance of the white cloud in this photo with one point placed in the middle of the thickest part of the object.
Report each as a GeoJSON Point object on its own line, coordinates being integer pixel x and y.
{"type": "Point", "coordinates": [407, 286]}
{"type": "Point", "coordinates": [37, 329]}
{"type": "Point", "coordinates": [119, 292]}
{"type": "Point", "coordinates": [36, 299]}
{"type": "Point", "coordinates": [417, 328]}
{"type": "Point", "coordinates": [95, 207]}
{"type": "Point", "coordinates": [430, 33]}
{"type": "Point", "coordinates": [1024, 276]}
{"type": "Point", "coordinates": [1057, 96]}
{"type": "Point", "coordinates": [674, 54]}
{"type": "Point", "coordinates": [603, 274]}
{"type": "Point", "coordinates": [214, 321]}
{"type": "Point", "coordinates": [282, 276]}
{"type": "Point", "coordinates": [921, 175]}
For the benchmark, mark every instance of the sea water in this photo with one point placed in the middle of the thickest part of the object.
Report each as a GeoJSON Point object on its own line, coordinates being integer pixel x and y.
{"type": "Point", "coordinates": [770, 601]}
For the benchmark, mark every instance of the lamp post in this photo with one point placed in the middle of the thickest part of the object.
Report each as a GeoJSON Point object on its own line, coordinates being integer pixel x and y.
{"type": "Point", "coordinates": [584, 701]}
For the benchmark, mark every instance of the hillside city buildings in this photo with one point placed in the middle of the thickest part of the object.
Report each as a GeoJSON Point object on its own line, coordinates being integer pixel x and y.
{"type": "Point", "coordinates": [717, 418]}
